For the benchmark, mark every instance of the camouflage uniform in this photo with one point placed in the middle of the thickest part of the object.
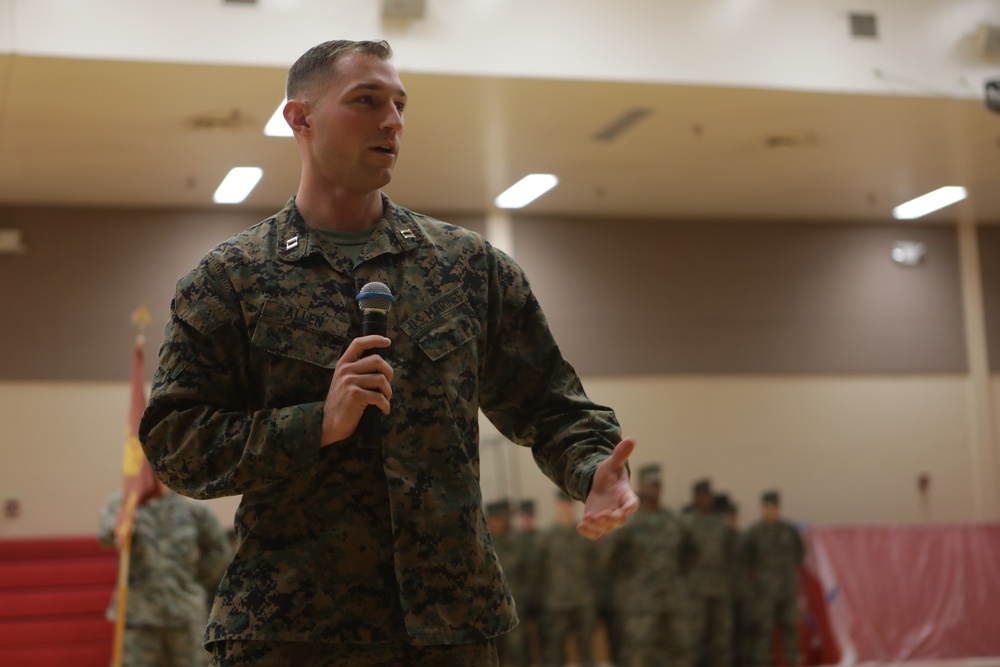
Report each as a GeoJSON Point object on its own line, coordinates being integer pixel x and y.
{"type": "Point", "coordinates": [178, 555]}
{"type": "Point", "coordinates": [772, 552]}
{"type": "Point", "coordinates": [650, 556]}
{"type": "Point", "coordinates": [513, 646]}
{"type": "Point", "coordinates": [710, 581]}
{"type": "Point", "coordinates": [569, 564]}
{"type": "Point", "coordinates": [355, 542]}
{"type": "Point", "coordinates": [607, 614]}
{"type": "Point", "coordinates": [743, 619]}
{"type": "Point", "coordinates": [527, 589]}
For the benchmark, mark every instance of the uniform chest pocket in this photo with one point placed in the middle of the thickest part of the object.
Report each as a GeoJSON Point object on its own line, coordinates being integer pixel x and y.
{"type": "Point", "coordinates": [442, 326]}
{"type": "Point", "coordinates": [298, 333]}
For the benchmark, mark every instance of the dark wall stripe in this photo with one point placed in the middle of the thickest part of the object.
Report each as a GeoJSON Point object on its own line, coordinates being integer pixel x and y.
{"type": "Point", "coordinates": [65, 305]}
{"type": "Point", "coordinates": [989, 266]}
{"type": "Point", "coordinates": [740, 297]}
{"type": "Point", "coordinates": [622, 296]}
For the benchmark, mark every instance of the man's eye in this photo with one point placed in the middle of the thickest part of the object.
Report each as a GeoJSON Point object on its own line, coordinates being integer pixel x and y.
{"type": "Point", "coordinates": [400, 107]}
{"type": "Point", "coordinates": [365, 99]}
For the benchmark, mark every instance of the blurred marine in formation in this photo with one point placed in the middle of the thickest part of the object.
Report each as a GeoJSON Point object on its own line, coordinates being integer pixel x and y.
{"type": "Point", "coordinates": [179, 554]}
{"type": "Point", "coordinates": [569, 566]}
{"type": "Point", "coordinates": [513, 646]}
{"type": "Point", "coordinates": [650, 556]}
{"type": "Point", "coordinates": [711, 580]}
{"type": "Point", "coordinates": [529, 587]}
{"type": "Point", "coordinates": [772, 551]}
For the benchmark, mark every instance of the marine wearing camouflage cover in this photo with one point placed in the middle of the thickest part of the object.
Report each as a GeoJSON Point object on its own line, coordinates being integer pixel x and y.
{"type": "Point", "coordinates": [711, 587]}
{"type": "Point", "coordinates": [351, 543]}
{"type": "Point", "coordinates": [772, 553]}
{"type": "Point", "coordinates": [569, 597]}
{"type": "Point", "coordinates": [513, 647]}
{"type": "Point", "coordinates": [179, 552]}
{"type": "Point", "coordinates": [650, 557]}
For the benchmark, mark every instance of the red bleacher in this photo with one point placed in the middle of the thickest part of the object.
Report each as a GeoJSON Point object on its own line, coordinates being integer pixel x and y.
{"type": "Point", "coordinates": [53, 595]}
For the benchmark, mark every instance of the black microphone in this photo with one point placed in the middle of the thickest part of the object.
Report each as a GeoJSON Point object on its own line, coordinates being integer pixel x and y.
{"type": "Point", "coordinates": [375, 300]}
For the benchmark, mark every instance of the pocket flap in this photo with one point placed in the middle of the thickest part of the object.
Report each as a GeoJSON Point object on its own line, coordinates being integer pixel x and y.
{"type": "Point", "coordinates": [298, 333]}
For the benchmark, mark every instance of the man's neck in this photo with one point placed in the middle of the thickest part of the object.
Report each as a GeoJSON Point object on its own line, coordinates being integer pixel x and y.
{"type": "Point", "coordinates": [339, 210]}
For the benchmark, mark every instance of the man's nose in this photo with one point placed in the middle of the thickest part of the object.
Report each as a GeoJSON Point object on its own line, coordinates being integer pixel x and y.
{"type": "Point", "coordinates": [393, 119]}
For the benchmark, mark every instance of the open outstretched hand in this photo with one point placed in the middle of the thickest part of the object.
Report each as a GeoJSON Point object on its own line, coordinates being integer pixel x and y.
{"type": "Point", "coordinates": [611, 498]}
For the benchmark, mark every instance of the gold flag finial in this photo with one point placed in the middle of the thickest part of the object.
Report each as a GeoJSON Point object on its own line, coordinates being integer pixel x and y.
{"type": "Point", "coordinates": [141, 318]}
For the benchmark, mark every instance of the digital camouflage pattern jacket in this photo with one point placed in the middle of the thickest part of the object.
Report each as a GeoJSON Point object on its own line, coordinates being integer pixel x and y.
{"type": "Point", "coordinates": [358, 542]}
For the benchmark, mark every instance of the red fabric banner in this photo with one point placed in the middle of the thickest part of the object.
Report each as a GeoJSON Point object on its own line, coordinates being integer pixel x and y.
{"type": "Point", "coordinates": [139, 484]}
{"type": "Point", "coordinates": [909, 593]}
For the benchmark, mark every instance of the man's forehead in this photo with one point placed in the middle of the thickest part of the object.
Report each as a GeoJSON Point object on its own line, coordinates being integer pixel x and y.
{"type": "Point", "coordinates": [365, 71]}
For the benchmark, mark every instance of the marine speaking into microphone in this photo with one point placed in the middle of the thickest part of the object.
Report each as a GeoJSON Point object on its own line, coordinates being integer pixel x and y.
{"type": "Point", "coordinates": [362, 543]}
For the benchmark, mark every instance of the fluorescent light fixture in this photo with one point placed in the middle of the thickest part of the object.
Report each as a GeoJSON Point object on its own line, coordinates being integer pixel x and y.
{"type": "Point", "coordinates": [237, 184]}
{"type": "Point", "coordinates": [526, 190]}
{"type": "Point", "coordinates": [930, 202]}
{"type": "Point", "coordinates": [276, 126]}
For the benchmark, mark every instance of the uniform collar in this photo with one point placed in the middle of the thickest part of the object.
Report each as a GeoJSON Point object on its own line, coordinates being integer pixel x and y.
{"type": "Point", "coordinates": [396, 232]}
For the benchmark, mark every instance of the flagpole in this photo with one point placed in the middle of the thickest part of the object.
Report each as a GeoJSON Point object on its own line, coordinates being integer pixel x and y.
{"type": "Point", "coordinates": [141, 319]}
{"type": "Point", "coordinates": [124, 558]}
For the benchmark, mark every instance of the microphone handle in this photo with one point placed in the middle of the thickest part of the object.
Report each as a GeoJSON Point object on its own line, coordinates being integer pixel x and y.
{"type": "Point", "coordinates": [373, 323]}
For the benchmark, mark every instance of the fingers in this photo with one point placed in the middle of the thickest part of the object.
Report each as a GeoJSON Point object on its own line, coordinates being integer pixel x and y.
{"type": "Point", "coordinates": [594, 526]}
{"type": "Point", "coordinates": [622, 451]}
{"type": "Point", "coordinates": [362, 344]}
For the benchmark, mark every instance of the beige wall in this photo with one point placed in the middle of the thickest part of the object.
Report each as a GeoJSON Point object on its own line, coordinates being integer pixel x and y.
{"type": "Point", "coordinates": [843, 449]}
{"type": "Point", "coordinates": [61, 446]}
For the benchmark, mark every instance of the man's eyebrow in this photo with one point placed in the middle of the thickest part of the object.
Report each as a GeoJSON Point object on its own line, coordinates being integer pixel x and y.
{"type": "Point", "coordinates": [377, 87]}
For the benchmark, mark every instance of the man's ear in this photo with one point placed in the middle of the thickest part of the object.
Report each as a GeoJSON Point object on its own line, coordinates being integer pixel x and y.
{"type": "Point", "coordinates": [296, 116]}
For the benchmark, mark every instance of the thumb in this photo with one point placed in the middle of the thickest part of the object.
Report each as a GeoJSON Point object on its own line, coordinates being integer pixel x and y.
{"type": "Point", "coordinates": [620, 455]}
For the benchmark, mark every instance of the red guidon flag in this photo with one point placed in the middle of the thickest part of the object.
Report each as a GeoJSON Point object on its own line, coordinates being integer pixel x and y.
{"type": "Point", "coordinates": [139, 482]}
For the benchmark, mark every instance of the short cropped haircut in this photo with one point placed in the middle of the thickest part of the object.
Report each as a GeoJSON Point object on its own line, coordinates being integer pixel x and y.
{"type": "Point", "coordinates": [320, 62]}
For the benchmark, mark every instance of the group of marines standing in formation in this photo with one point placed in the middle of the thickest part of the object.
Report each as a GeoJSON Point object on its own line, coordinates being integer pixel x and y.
{"type": "Point", "coordinates": [669, 589]}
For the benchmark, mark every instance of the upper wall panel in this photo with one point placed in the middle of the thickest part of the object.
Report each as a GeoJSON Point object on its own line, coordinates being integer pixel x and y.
{"type": "Point", "coordinates": [713, 298]}
{"type": "Point", "coordinates": [922, 47]}
{"type": "Point", "coordinates": [989, 260]}
{"type": "Point", "coordinates": [67, 301]}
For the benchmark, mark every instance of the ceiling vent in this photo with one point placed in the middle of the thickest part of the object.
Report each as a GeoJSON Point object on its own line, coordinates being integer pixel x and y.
{"type": "Point", "coordinates": [864, 26]}
{"type": "Point", "coordinates": [218, 121]}
{"type": "Point", "coordinates": [790, 140]}
{"type": "Point", "coordinates": [403, 9]}
{"type": "Point", "coordinates": [621, 124]}
{"type": "Point", "coordinates": [988, 40]}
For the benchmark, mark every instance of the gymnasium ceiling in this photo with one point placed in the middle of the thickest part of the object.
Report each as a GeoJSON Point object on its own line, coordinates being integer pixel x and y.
{"type": "Point", "coordinates": [135, 134]}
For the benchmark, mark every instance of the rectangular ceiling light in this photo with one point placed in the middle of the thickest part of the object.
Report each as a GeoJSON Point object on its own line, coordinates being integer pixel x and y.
{"type": "Point", "coordinates": [237, 184]}
{"type": "Point", "coordinates": [526, 190]}
{"type": "Point", "coordinates": [930, 202]}
{"type": "Point", "coordinates": [277, 126]}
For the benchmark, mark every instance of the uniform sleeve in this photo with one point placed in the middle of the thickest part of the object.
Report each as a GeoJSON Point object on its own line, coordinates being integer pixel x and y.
{"type": "Point", "coordinates": [106, 524]}
{"type": "Point", "coordinates": [213, 548]}
{"type": "Point", "coordinates": [748, 551]}
{"type": "Point", "coordinates": [688, 552]}
{"type": "Point", "coordinates": [800, 547]}
{"type": "Point", "coordinates": [199, 431]}
{"type": "Point", "coordinates": [531, 393]}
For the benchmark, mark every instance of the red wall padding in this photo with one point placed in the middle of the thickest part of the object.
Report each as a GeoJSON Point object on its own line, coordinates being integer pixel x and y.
{"type": "Point", "coordinates": [34, 602]}
{"type": "Point", "coordinates": [85, 546]}
{"type": "Point", "coordinates": [53, 597]}
{"type": "Point", "coordinates": [81, 654]}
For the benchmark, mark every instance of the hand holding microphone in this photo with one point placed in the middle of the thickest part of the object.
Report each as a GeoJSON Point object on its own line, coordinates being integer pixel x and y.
{"type": "Point", "coordinates": [361, 386]}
